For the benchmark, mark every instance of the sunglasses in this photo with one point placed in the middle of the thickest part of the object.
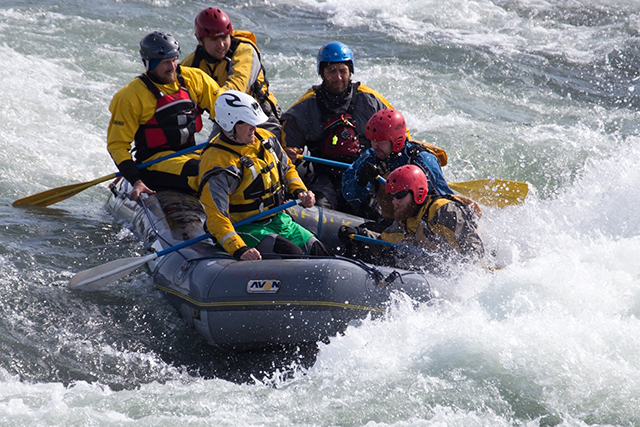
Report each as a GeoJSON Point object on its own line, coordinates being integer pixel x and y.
{"type": "Point", "coordinates": [400, 194]}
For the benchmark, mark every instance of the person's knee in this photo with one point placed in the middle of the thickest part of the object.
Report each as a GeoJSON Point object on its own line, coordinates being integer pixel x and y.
{"type": "Point", "coordinates": [316, 247]}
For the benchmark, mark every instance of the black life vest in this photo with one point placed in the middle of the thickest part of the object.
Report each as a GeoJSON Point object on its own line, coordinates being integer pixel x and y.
{"type": "Point", "coordinates": [173, 126]}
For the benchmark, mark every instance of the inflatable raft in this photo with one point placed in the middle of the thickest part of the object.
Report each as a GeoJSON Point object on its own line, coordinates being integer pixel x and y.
{"type": "Point", "coordinates": [247, 304]}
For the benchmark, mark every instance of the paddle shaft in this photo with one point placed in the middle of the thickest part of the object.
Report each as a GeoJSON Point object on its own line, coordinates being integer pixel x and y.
{"type": "Point", "coordinates": [236, 225]}
{"type": "Point", "coordinates": [366, 239]}
{"type": "Point", "coordinates": [59, 194]}
{"type": "Point", "coordinates": [336, 164]}
{"type": "Point", "coordinates": [492, 192]}
{"type": "Point", "coordinates": [99, 276]}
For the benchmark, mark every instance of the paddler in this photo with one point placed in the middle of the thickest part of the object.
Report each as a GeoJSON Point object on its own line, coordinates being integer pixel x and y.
{"type": "Point", "coordinates": [329, 120]}
{"type": "Point", "coordinates": [441, 227]}
{"type": "Point", "coordinates": [233, 59]}
{"type": "Point", "coordinates": [159, 112]}
{"type": "Point", "coordinates": [245, 171]}
{"type": "Point", "coordinates": [390, 149]}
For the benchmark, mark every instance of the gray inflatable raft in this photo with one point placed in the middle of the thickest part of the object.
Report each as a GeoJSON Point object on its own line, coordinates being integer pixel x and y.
{"type": "Point", "coordinates": [247, 304]}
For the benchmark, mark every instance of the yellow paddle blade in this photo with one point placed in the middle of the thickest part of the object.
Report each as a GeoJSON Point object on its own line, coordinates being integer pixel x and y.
{"type": "Point", "coordinates": [59, 194]}
{"type": "Point", "coordinates": [493, 192]}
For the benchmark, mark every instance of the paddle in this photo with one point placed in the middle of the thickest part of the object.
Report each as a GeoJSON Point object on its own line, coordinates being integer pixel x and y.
{"type": "Point", "coordinates": [97, 277]}
{"type": "Point", "coordinates": [365, 239]}
{"type": "Point", "coordinates": [59, 194]}
{"type": "Point", "coordinates": [490, 192]}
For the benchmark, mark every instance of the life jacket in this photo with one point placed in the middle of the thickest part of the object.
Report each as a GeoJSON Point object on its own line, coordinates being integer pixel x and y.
{"type": "Point", "coordinates": [385, 202]}
{"type": "Point", "coordinates": [421, 230]}
{"type": "Point", "coordinates": [261, 187]}
{"type": "Point", "coordinates": [440, 154]}
{"type": "Point", "coordinates": [173, 126]}
{"type": "Point", "coordinates": [340, 139]}
{"type": "Point", "coordinates": [259, 89]}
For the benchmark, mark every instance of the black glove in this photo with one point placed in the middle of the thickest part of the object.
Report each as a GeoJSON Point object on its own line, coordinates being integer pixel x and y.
{"type": "Point", "coordinates": [367, 173]}
{"type": "Point", "coordinates": [344, 232]}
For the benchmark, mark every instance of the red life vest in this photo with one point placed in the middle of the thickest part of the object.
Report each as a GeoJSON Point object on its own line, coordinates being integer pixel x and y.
{"type": "Point", "coordinates": [340, 139]}
{"type": "Point", "coordinates": [174, 124]}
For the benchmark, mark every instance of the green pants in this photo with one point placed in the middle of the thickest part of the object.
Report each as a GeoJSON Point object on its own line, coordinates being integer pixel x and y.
{"type": "Point", "coordinates": [281, 224]}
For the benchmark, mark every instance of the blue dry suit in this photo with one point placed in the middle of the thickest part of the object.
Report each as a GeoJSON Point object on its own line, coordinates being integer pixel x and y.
{"type": "Point", "coordinates": [411, 153]}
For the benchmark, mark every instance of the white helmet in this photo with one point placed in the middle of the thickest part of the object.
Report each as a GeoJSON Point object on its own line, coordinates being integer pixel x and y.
{"type": "Point", "coordinates": [234, 106]}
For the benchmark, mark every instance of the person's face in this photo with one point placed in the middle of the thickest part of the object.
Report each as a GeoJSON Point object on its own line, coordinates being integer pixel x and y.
{"type": "Point", "coordinates": [336, 77]}
{"type": "Point", "coordinates": [245, 133]}
{"type": "Point", "coordinates": [382, 148]}
{"type": "Point", "coordinates": [404, 207]}
{"type": "Point", "coordinates": [165, 72]}
{"type": "Point", "coordinates": [217, 47]}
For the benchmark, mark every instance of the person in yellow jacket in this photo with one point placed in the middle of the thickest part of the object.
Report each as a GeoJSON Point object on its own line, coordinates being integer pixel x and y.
{"type": "Point", "coordinates": [245, 171]}
{"type": "Point", "coordinates": [233, 59]}
{"type": "Point", "coordinates": [159, 112]}
{"type": "Point", "coordinates": [440, 226]}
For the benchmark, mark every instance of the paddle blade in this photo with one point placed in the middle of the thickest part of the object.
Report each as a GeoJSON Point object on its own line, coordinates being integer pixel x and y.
{"type": "Point", "coordinates": [59, 194]}
{"type": "Point", "coordinates": [493, 192]}
{"type": "Point", "coordinates": [98, 277]}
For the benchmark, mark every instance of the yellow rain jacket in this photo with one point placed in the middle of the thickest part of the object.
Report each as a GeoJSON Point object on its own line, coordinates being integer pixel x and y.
{"type": "Point", "coordinates": [241, 70]}
{"type": "Point", "coordinates": [238, 181]}
{"type": "Point", "coordinates": [442, 223]}
{"type": "Point", "coordinates": [135, 104]}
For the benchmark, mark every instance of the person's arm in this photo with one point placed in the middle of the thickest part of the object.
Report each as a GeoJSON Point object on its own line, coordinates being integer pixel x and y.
{"type": "Point", "coordinates": [454, 226]}
{"type": "Point", "coordinates": [354, 193]}
{"type": "Point", "coordinates": [299, 124]}
{"type": "Point", "coordinates": [202, 87]}
{"type": "Point", "coordinates": [431, 166]}
{"type": "Point", "coordinates": [128, 109]}
{"type": "Point", "coordinates": [294, 183]}
{"type": "Point", "coordinates": [217, 183]}
{"type": "Point", "coordinates": [245, 68]}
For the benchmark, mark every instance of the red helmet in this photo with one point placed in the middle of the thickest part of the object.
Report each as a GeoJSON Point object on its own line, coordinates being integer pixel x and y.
{"type": "Point", "coordinates": [387, 125]}
{"type": "Point", "coordinates": [212, 22]}
{"type": "Point", "coordinates": [408, 177]}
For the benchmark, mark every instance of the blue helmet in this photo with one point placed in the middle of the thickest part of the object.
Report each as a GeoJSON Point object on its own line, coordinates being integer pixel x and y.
{"type": "Point", "coordinates": [335, 52]}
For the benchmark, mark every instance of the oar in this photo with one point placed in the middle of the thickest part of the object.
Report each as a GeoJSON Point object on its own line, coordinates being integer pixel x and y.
{"type": "Point", "coordinates": [490, 192]}
{"type": "Point", "coordinates": [366, 239]}
{"type": "Point", "coordinates": [59, 194]}
{"type": "Point", "coordinates": [97, 277]}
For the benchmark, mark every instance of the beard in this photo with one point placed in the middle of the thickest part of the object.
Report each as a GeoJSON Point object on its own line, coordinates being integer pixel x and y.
{"type": "Point", "coordinates": [167, 77]}
{"type": "Point", "coordinates": [404, 212]}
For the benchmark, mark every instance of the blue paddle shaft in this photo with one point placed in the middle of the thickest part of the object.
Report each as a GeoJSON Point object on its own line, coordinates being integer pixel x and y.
{"type": "Point", "coordinates": [168, 156]}
{"type": "Point", "coordinates": [237, 224]}
{"type": "Point", "coordinates": [333, 163]}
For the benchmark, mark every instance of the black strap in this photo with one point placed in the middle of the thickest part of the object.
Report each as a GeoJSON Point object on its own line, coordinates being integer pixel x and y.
{"type": "Point", "coordinates": [157, 92]}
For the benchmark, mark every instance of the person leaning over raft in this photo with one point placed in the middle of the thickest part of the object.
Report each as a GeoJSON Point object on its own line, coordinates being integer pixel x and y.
{"type": "Point", "coordinates": [160, 112]}
{"type": "Point", "coordinates": [244, 171]}
{"type": "Point", "coordinates": [330, 119]}
{"type": "Point", "coordinates": [390, 149]}
{"type": "Point", "coordinates": [232, 58]}
{"type": "Point", "coordinates": [443, 227]}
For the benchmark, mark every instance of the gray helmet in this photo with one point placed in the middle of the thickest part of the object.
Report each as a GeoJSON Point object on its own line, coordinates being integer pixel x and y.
{"type": "Point", "coordinates": [158, 45]}
{"type": "Point", "coordinates": [234, 106]}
